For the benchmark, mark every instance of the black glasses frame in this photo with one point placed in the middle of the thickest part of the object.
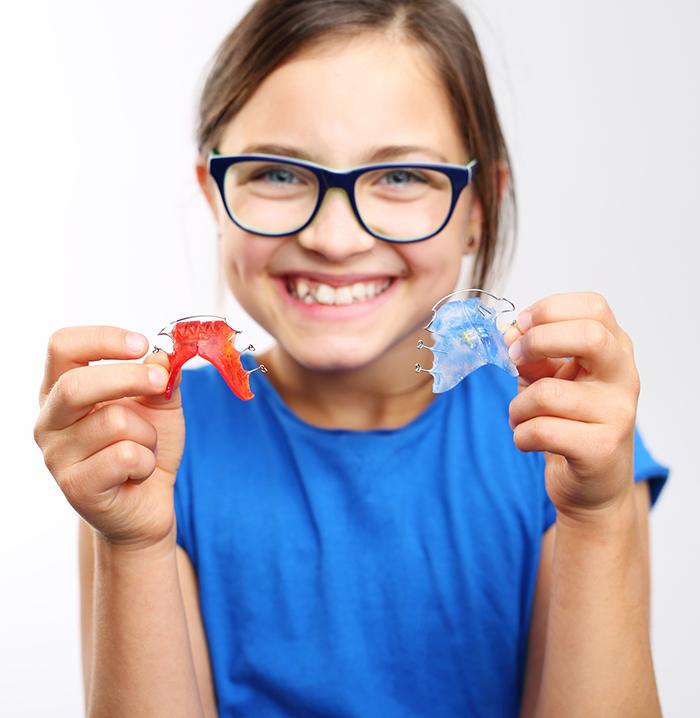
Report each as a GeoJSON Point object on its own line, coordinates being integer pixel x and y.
{"type": "Point", "coordinates": [459, 175]}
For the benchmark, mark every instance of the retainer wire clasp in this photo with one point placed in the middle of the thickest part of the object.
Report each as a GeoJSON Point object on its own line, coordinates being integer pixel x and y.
{"type": "Point", "coordinates": [486, 313]}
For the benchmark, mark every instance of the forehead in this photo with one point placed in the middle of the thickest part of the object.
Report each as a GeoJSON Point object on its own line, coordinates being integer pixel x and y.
{"type": "Point", "coordinates": [345, 95]}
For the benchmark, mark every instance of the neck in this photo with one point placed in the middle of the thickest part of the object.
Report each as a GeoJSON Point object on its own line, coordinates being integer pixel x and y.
{"type": "Point", "coordinates": [385, 394]}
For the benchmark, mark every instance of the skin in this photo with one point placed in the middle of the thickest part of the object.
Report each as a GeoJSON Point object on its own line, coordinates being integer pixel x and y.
{"type": "Point", "coordinates": [589, 650]}
{"type": "Point", "coordinates": [336, 106]}
{"type": "Point", "coordinates": [114, 445]}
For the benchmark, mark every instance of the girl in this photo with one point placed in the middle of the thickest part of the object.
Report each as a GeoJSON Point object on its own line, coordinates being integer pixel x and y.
{"type": "Point", "coordinates": [349, 543]}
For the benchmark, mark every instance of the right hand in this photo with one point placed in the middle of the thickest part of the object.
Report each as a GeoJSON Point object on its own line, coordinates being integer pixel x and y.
{"type": "Point", "coordinates": [98, 428]}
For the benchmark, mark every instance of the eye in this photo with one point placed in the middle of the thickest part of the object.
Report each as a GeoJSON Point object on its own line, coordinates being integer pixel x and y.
{"type": "Point", "coordinates": [277, 175]}
{"type": "Point", "coordinates": [401, 177]}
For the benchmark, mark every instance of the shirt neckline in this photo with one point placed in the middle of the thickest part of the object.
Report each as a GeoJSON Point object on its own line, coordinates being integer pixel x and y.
{"type": "Point", "coordinates": [264, 385]}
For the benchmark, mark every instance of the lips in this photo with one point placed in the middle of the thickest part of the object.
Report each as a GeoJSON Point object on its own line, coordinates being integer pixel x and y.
{"type": "Point", "coordinates": [336, 280]}
{"type": "Point", "coordinates": [339, 297]}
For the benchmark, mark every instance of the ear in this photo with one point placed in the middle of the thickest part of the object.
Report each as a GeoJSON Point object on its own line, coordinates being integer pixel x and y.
{"type": "Point", "coordinates": [206, 185]}
{"type": "Point", "coordinates": [474, 226]}
{"type": "Point", "coordinates": [503, 178]}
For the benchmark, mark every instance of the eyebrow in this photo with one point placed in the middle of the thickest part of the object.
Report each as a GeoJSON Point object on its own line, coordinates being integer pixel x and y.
{"type": "Point", "coordinates": [387, 153]}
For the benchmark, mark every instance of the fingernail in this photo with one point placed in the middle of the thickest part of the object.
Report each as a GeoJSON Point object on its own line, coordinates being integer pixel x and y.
{"type": "Point", "coordinates": [524, 320]}
{"type": "Point", "coordinates": [136, 342]}
{"type": "Point", "coordinates": [515, 351]}
{"type": "Point", "coordinates": [157, 376]}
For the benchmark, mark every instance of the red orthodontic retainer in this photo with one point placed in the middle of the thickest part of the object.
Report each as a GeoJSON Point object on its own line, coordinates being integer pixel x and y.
{"type": "Point", "coordinates": [213, 341]}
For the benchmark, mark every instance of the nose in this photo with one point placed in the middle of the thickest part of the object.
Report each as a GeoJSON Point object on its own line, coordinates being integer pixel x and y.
{"type": "Point", "coordinates": [335, 231]}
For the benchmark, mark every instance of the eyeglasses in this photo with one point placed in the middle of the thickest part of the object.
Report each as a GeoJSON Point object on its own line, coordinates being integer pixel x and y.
{"type": "Point", "coordinates": [277, 196]}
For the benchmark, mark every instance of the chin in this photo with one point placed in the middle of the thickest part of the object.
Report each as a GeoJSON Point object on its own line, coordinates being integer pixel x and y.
{"type": "Point", "coordinates": [329, 356]}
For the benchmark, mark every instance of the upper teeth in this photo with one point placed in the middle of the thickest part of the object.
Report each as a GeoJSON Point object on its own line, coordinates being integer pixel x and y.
{"type": "Point", "coordinates": [318, 292]}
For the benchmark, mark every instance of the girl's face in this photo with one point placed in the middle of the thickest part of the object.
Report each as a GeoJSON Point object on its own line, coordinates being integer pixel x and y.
{"type": "Point", "coordinates": [338, 105]}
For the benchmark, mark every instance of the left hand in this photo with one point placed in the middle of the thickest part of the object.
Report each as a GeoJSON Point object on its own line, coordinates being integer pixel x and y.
{"type": "Point", "coordinates": [580, 411]}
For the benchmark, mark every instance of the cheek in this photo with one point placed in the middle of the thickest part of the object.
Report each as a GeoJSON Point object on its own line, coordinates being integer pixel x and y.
{"type": "Point", "coordinates": [436, 261]}
{"type": "Point", "coordinates": [244, 256]}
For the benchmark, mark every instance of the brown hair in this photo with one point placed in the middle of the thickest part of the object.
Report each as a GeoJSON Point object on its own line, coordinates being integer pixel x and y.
{"type": "Point", "coordinates": [273, 31]}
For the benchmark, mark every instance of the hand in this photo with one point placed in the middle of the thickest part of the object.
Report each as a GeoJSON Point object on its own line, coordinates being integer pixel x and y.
{"type": "Point", "coordinates": [99, 428]}
{"type": "Point", "coordinates": [581, 410]}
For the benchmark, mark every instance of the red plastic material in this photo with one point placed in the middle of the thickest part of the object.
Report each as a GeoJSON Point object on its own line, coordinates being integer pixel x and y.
{"type": "Point", "coordinates": [213, 341]}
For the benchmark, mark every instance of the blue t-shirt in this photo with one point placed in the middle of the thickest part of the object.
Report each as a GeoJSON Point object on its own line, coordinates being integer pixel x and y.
{"type": "Point", "coordinates": [385, 573]}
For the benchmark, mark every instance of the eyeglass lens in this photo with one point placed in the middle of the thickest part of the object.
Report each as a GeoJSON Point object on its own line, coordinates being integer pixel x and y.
{"type": "Point", "coordinates": [399, 203]}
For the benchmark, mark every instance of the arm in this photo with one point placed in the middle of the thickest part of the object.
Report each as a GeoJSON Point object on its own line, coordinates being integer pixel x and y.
{"type": "Point", "coordinates": [598, 653]}
{"type": "Point", "coordinates": [589, 647]}
{"type": "Point", "coordinates": [578, 391]}
{"type": "Point", "coordinates": [144, 651]}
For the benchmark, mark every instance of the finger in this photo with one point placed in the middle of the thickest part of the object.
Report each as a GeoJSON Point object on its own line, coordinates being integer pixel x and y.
{"type": "Point", "coordinates": [580, 401]}
{"type": "Point", "coordinates": [568, 306]}
{"type": "Point", "coordinates": [529, 373]}
{"type": "Point", "coordinates": [511, 333]}
{"type": "Point", "coordinates": [105, 471]}
{"type": "Point", "coordinates": [72, 347]}
{"type": "Point", "coordinates": [586, 339]}
{"type": "Point", "coordinates": [566, 437]}
{"type": "Point", "coordinates": [568, 369]}
{"type": "Point", "coordinates": [78, 390]}
{"type": "Point", "coordinates": [106, 426]}
{"type": "Point", "coordinates": [158, 400]}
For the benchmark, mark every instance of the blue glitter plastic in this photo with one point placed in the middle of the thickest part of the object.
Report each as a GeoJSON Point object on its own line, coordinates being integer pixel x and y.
{"type": "Point", "coordinates": [466, 338]}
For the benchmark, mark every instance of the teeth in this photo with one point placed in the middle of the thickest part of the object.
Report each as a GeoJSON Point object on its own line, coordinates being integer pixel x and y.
{"type": "Point", "coordinates": [325, 294]}
{"type": "Point", "coordinates": [318, 292]}
{"type": "Point", "coordinates": [359, 290]}
{"type": "Point", "coordinates": [343, 295]}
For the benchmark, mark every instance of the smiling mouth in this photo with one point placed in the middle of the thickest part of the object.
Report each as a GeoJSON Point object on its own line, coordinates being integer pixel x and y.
{"type": "Point", "coordinates": [310, 291]}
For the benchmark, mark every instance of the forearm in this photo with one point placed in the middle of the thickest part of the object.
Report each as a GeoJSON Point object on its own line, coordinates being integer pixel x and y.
{"type": "Point", "coordinates": [598, 654]}
{"type": "Point", "coordinates": [142, 660]}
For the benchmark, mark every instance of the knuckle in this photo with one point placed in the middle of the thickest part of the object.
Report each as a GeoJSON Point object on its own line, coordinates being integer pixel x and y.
{"type": "Point", "coordinates": [56, 343]}
{"type": "Point", "coordinates": [548, 393]}
{"type": "Point", "coordinates": [627, 344]}
{"type": "Point", "coordinates": [518, 438]}
{"type": "Point", "coordinates": [595, 336]}
{"type": "Point", "coordinates": [622, 418]}
{"type": "Point", "coordinates": [541, 431]}
{"type": "Point", "coordinates": [67, 388]}
{"type": "Point", "coordinates": [597, 305]}
{"type": "Point", "coordinates": [69, 481]}
{"type": "Point", "coordinates": [38, 432]}
{"type": "Point", "coordinates": [50, 460]}
{"type": "Point", "coordinates": [636, 383]}
{"type": "Point", "coordinates": [513, 412]}
{"type": "Point", "coordinates": [630, 419]}
{"type": "Point", "coordinates": [127, 454]}
{"type": "Point", "coordinates": [116, 419]}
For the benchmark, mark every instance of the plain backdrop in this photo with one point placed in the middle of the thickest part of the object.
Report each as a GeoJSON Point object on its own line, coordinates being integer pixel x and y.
{"type": "Point", "coordinates": [102, 222]}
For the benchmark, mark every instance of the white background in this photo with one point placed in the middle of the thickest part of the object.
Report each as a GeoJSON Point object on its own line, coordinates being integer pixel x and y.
{"type": "Point", "coordinates": [102, 222]}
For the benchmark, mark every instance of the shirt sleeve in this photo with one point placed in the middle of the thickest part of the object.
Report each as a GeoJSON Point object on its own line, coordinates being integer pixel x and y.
{"type": "Point", "coordinates": [646, 468]}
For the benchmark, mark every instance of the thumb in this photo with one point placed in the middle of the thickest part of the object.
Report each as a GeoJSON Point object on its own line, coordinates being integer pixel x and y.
{"type": "Point", "coordinates": [158, 401]}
